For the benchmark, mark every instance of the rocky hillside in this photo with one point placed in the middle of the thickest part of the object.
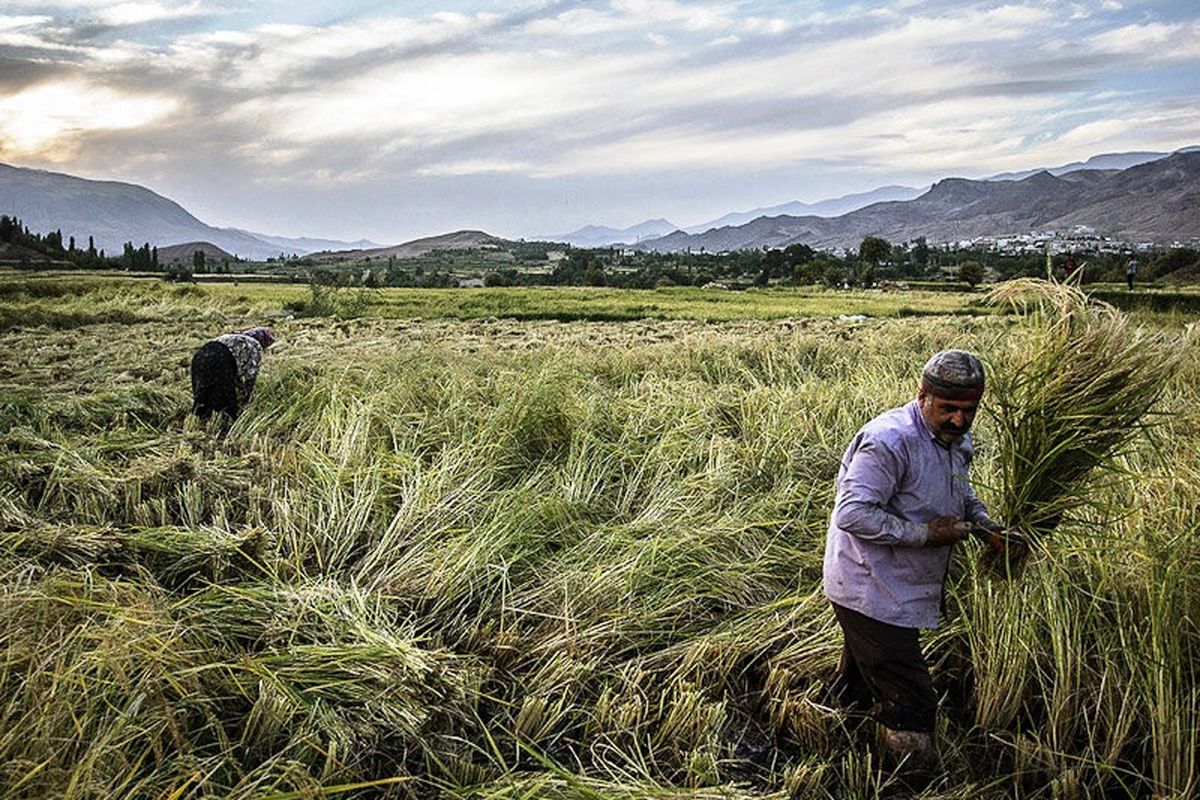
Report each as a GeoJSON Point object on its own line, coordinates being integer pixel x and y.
{"type": "Point", "coordinates": [1157, 201]}
{"type": "Point", "coordinates": [459, 240]}
{"type": "Point", "coordinates": [184, 253]}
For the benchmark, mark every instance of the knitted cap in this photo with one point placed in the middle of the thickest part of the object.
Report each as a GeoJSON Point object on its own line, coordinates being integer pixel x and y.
{"type": "Point", "coordinates": [953, 375]}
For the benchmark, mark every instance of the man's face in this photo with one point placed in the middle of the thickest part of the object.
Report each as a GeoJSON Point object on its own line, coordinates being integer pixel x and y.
{"type": "Point", "coordinates": [948, 419]}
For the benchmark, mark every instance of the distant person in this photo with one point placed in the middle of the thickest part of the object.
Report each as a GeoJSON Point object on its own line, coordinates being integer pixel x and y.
{"type": "Point", "coordinates": [224, 371]}
{"type": "Point", "coordinates": [1068, 266]}
{"type": "Point", "coordinates": [1130, 271]}
{"type": "Point", "coordinates": [902, 501]}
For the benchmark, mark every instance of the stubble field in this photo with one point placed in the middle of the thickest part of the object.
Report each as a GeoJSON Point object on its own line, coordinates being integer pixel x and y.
{"type": "Point", "coordinates": [537, 558]}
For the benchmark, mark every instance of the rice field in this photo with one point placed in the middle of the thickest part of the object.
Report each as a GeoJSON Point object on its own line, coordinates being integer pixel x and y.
{"type": "Point", "coordinates": [467, 555]}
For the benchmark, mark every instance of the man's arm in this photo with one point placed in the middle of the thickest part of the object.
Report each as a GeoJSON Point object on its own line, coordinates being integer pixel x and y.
{"type": "Point", "coordinates": [975, 511]}
{"type": "Point", "coordinates": [870, 482]}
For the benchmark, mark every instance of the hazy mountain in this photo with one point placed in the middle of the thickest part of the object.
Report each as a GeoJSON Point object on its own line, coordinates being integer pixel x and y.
{"type": "Point", "coordinates": [114, 213]}
{"type": "Point", "coordinates": [1154, 201]}
{"type": "Point", "coordinates": [1113, 161]}
{"type": "Point", "coordinates": [839, 206]}
{"type": "Point", "coordinates": [834, 207]}
{"type": "Point", "coordinates": [603, 236]}
{"type": "Point", "coordinates": [304, 244]}
{"type": "Point", "coordinates": [1139, 195]}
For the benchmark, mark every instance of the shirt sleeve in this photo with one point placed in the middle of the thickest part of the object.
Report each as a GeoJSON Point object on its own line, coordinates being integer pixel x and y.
{"type": "Point", "coordinates": [870, 482]}
{"type": "Point", "coordinates": [973, 508]}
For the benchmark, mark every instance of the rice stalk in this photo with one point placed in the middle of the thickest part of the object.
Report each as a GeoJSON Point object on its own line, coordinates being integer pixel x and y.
{"type": "Point", "coordinates": [1080, 386]}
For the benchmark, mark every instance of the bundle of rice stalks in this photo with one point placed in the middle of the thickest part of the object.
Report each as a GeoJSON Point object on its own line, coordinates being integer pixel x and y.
{"type": "Point", "coordinates": [1079, 389]}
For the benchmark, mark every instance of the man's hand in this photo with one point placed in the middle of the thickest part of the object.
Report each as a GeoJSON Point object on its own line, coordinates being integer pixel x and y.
{"type": "Point", "coordinates": [947, 530]}
{"type": "Point", "coordinates": [991, 534]}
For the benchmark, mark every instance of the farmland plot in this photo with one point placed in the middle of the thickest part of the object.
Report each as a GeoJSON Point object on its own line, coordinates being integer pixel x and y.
{"type": "Point", "coordinates": [491, 558]}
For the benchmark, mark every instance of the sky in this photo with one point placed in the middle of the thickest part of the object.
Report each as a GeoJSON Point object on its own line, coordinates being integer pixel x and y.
{"type": "Point", "coordinates": [392, 121]}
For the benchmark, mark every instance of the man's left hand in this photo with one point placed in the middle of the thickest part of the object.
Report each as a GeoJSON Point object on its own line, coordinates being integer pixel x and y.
{"type": "Point", "coordinates": [990, 533]}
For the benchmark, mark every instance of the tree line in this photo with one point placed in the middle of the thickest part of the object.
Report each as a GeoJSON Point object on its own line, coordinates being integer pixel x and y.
{"type": "Point", "coordinates": [875, 261]}
{"type": "Point", "coordinates": [53, 248]}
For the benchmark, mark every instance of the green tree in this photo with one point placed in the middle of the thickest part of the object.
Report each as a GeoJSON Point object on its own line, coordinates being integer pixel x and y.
{"type": "Point", "coordinates": [871, 252]}
{"type": "Point", "coordinates": [920, 254]}
{"type": "Point", "coordinates": [198, 261]}
{"type": "Point", "coordinates": [970, 273]}
{"type": "Point", "coordinates": [593, 274]}
{"type": "Point", "coordinates": [809, 272]}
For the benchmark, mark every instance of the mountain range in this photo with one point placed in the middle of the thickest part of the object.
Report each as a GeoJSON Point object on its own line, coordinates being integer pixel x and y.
{"type": "Point", "coordinates": [1133, 196]}
{"type": "Point", "coordinates": [1157, 201]}
{"type": "Point", "coordinates": [114, 213]}
{"type": "Point", "coordinates": [603, 236]}
{"type": "Point", "coordinates": [1105, 161]}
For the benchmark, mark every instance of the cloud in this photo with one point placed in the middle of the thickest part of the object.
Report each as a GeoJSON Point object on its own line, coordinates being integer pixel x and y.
{"type": "Point", "coordinates": [1125, 127]}
{"type": "Point", "coordinates": [1150, 42]}
{"type": "Point", "coordinates": [477, 166]}
{"type": "Point", "coordinates": [416, 87]}
{"type": "Point", "coordinates": [576, 91]}
{"type": "Point", "coordinates": [123, 14]}
{"type": "Point", "coordinates": [39, 120]}
{"type": "Point", "coordinates": [16, 23]}
{"type": "Point", "coordinates": [690, 16]}
{"type": "Point", "coordinates": [655, 15]}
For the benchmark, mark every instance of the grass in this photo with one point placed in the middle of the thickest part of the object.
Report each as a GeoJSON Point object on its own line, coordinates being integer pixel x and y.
{"type": "Point", "coordinates": [68, 299]}
{"type": "Point", "coordinates": [542, 558]}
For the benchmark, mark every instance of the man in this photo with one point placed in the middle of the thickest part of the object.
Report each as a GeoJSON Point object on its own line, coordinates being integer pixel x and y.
{"type": "Point", "coordinates": [224, 371]}
{"type": "Point", "coordinates": [902, 502]}
{"type": "Point", "coordinates": [1131, 269]}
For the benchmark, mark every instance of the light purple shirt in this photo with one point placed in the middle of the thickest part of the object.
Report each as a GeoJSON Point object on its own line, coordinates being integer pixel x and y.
{"type": "Point", "coordinates": [896, 477]}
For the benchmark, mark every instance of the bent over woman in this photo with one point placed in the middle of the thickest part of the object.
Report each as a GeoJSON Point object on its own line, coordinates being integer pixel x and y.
{"type": "Point", "coordinates": [224, 371]}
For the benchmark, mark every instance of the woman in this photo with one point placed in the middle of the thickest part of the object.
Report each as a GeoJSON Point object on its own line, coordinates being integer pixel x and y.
{"type": "Point", "coordinates": [224, 371]}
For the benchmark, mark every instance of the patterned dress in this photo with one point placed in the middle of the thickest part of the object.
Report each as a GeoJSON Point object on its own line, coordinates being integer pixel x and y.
{"type": "Point", "coordinates": [223, 374]}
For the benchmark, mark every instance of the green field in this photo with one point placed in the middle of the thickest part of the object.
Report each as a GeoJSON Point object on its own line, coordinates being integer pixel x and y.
{"type": "Point", "coordinates": [91, 297]}
{"type": "Point", "coordinates": [530, 543]}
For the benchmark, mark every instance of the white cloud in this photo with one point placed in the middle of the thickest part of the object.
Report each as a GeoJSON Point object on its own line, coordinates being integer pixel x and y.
{"type": "Point", "coordinates": [690, 16]}
{"type": "Point", "coordinates": [258, 60]}
{"type": "Point", "coordinates": [579, 22]}
{"type": "Point", "coordinates": [48, 117]}
{"type": "Point", "coordinates": [413, 105]}
{"type": "Point", "coordinates": [440, 99]}
{"type": "Point", "coordinates": [29, 32]}
{"type": "Point", "coordinates": [1151, 42]}
{"type": "Point", "coordinates": [1135, 128]}
{"type": "Point", "coordinates": [474, 166]}
{"type": "Point", "coordinates": [946, 134]}
{"type": "Point", "coordinates": [638, 15]}
{"type": "Point", "coordinates": [905, 86]}
{"type": "Point", "coordinates": [16, 23]}
{"type": "Point", "coordinates": [138, 13]}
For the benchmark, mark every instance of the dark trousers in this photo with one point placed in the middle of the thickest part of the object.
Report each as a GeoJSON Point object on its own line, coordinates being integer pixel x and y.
{"type": "Point", "coordinates": [214, 382]}
{"type": "Point", "coordinates": [882, 671]}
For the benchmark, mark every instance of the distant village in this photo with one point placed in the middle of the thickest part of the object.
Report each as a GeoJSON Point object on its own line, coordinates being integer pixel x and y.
{"type": "Point", "coordinates": [1079, 239]}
